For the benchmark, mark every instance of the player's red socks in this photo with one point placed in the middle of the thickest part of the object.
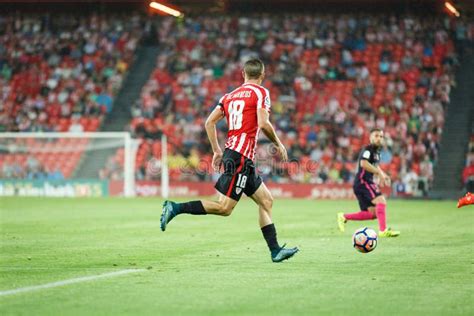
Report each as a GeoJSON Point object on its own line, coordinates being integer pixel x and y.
{"type": "Point", "coordinates": [380, 211]}
{"type": "Point", "coordinates": [359, 216]}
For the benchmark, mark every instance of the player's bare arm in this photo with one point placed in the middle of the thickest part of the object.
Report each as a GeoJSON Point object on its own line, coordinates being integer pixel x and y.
{"type": "Point", "coordinates": [369, 167]}
{"type": "Point", "coordinates": [385, 178]}
{"type": "Point", "coordinates": [376, 171]}
{"type": "Point", "coordinates": [266, 126]}
{"type": "Point", "coordinates": [211, 131]}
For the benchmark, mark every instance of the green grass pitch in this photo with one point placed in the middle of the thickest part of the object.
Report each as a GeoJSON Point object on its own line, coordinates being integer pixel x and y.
{"type": "Point", "coordinates": [209, 265]}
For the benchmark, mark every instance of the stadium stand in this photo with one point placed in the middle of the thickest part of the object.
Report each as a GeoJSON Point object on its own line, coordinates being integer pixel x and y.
{"type": "Point", "coordinates": [331, 79]}
{"type": "Point", "coordinates": [330, 83]}
{"type": "Point", "coordinates": [59, 73]}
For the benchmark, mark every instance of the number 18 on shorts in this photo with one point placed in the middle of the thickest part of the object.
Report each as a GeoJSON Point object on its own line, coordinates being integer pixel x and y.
{"type": "Point", "coordinates": [239, 176]}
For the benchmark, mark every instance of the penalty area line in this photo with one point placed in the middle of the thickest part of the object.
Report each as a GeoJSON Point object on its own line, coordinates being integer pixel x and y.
{"type": "Point", "coordinates": [68, 281]}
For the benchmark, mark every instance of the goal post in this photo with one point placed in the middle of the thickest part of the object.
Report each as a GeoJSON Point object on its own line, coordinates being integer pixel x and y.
{"type": "Point", "coordinates": [66, 156]}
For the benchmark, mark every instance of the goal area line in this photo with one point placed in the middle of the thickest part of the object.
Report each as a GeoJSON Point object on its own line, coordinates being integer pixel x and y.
{"type": "Point", "coordinates": [68, 282]}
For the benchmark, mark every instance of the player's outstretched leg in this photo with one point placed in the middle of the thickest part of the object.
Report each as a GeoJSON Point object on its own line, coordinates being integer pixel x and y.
{"type": "Point", "coordinates": [359, 216]}
{"type": "Point", "coordinates": [223, 207]}
{"type": "Point", "coordinates": [172, 209]}
{"type": "Point", "coordinates": [380, 210]}
{"type": "Point", "coordinates": [264, 200]}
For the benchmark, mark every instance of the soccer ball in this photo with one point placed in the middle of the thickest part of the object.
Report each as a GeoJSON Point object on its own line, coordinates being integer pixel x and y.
{"type": "Point", "coordinates": [365, 239]}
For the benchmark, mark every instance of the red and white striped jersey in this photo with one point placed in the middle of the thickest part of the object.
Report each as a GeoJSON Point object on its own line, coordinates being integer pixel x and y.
{"type": "Point", "coordinates": [240, 110]}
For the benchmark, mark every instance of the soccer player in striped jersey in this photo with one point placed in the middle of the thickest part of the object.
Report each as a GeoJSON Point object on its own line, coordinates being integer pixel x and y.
{"type": "Point", "coordinates": [246, 110]}
{"type": "Point", "coordinates": [371, 201]}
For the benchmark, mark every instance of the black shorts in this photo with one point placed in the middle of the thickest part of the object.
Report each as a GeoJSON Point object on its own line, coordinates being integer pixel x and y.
{"type": "Point", "coordinates": [365, 193]}
{"type": "Point", "coordinates": [239, 176]}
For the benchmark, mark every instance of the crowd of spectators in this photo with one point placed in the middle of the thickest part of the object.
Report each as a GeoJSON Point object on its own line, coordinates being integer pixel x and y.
{"type": "Point", "coordinates": [32, 170]}
{"type": "Point", "coordinates": [113, 169]}
{"type": "Point", "coordinates": [40, 158]}
{"type": "Point", "coordinates": [331, 79]}
{"type": "Point", "coordinates": [60, 72]}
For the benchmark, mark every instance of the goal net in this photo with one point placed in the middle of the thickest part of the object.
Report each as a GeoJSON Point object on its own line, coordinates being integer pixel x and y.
{"type": "Point", "coordinates": [67, 164]}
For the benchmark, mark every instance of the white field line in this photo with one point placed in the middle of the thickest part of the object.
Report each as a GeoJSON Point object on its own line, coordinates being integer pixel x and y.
{"type": "Point", "coordinates": [68, 281]}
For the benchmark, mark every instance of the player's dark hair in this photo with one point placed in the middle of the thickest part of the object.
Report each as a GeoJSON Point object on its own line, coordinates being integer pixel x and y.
{"type": "Point", "coordinates": [375, 129]}
{"type": "Point", "coordinates": [253, 68]}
